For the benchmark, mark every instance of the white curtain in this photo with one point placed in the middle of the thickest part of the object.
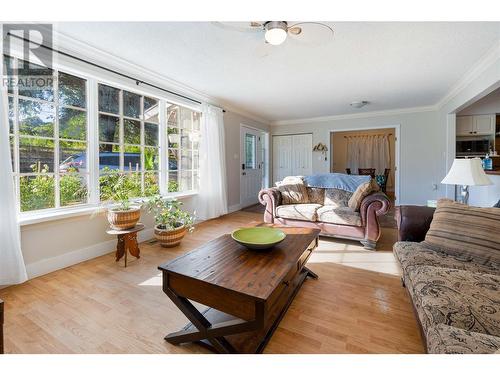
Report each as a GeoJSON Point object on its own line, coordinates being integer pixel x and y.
{"type": "Point", "coordinates": [212, 197]}
{"type": "Point", "coordinates": [12, 268]}
{"type": "Point", "coordinates": [370, 151]}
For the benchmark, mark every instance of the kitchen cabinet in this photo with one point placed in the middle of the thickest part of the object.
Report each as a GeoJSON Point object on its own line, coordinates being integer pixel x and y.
{"type": "Point", "coordinates": [475, 125]}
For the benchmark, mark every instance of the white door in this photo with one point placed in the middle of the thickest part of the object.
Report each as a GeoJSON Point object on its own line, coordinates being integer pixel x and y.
{"type": "Point", "coordinates": [251, 166]}
{"type": "Point", "coordinates": [484, 125]}
{"type": "Point", "coordinates": [282, 157]}
{"type": "Point", "coordinates": [302, 154]}
{"type": "Point", "coordinates": [464, 125]}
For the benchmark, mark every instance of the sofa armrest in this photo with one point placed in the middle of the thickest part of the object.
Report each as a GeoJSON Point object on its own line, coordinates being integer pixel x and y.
{"type": "Point", "coordinates": [381, 201]}
{"type": "Point", "coordinates": [413, 222]}
{"type": "Point", "coordinates": [271, 198]}
{"type": "Point", "coordinates": [373, 206]}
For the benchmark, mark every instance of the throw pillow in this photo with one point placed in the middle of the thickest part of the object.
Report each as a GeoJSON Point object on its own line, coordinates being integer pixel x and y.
{"type": "Point", "coordinates": [337, 197]}
{"type": "Point", "coordinates": [316, 195]}
{"type": "Point", "coordinates": [293, 190]}
{"type": "Point", "coordinates": [361, 192]}
{"type": "Point", "coordinates": [469, 232]}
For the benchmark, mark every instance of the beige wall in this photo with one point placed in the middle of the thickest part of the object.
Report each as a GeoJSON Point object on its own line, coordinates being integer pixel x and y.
{"type": "Point", "coordinates": [338, 151]}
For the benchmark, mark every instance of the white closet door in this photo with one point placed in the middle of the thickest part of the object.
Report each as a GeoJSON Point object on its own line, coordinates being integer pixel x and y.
{"type": "Point", "coordinates": [302, 154]}
{"type": "Point", "coordinates": [282, 157]}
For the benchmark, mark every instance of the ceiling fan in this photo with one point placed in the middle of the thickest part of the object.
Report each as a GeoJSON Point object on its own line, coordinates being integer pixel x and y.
{"type": "Point", "coordinates": [276, 32]}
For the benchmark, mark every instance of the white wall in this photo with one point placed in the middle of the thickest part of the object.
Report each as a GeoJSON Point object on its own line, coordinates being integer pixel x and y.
{"type": "Point", "coordinates": [232, 123]}
{"type": "Point", "coordinates": [422, 149]}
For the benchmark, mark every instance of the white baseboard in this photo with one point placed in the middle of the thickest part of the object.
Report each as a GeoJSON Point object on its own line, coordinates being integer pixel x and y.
{"type": "Point", "coordinates": [45, 266]}
{"type": "Point", "coordinates": [234, 208]}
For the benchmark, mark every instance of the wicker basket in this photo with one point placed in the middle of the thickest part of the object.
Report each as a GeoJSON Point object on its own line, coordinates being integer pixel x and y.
{"type": "Point", "coordinates": [121, 220]}
{"type": "Point", "coordinates": [170, 238]}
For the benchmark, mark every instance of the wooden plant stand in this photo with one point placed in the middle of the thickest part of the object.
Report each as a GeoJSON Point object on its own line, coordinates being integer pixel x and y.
{"type": "Point", "coordinates": [127, 242]}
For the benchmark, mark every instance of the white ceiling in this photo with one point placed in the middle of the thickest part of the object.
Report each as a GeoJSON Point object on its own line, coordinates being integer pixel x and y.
{"type": "Point", "coordinates": [392, 65]}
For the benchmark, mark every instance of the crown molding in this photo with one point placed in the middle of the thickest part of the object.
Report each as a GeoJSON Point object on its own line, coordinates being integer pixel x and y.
{"type": "Point", "coordinates": [83, 50]}
{"type": "Point", "coordinates": [389, 112]}
{"type": "Point", "coordinates": [492, 56]}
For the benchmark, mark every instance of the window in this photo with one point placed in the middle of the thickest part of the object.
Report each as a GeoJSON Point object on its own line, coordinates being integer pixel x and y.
{"type": "Point", "coordinates": [183, 137]}
{"type": "Point", "coordinates": [128, 140]}
{"type": "Point", "coordinates": [48, 136]}
{"type": "Point", "coordinates": [250, 151]}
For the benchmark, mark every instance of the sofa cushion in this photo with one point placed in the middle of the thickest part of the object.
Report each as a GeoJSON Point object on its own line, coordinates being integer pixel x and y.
{"type": "Point", "coordinates": [305, 212]}
{"type": "Point", "coordinates": [459, 298]}
{"type": "Point", "coordinates": [339, 215]}
{"type": "Point", "coordinates": [466, 231]}
{"type": "Point", "coordinates": [316, 195]}
{"type": "Point", "coordinates": [445, 339]}
{"type": "Point", "coordinates": [293, 190]}
{"type": "Point", "coordinates": [361, 192]}
{"type": "Point", "coordinates": [414, 254]}
{"type": "Point", "coordinates": [337, 197]}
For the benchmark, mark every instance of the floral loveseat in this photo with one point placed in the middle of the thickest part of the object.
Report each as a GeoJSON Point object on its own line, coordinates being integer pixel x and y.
{"type": "Point", "coordinates": [453, 275]}
{"type": "Point", "coordinates": [337, 213]}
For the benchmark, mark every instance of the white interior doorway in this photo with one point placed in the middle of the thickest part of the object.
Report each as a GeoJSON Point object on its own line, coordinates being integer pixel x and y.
{"type": "Point", "coordinates": [254, 164]}
{"type": "Point", "coordinates": [393, 131]}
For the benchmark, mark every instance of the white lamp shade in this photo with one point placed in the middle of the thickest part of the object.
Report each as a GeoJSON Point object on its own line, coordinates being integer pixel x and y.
{"type": "Point", "coordinates": [275, 36]}
{"type": "Point", "coordinates": [467, 172]}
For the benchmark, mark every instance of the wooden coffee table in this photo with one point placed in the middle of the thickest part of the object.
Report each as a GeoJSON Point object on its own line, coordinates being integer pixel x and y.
{"type": "Point", "coordinates": [247, 292]}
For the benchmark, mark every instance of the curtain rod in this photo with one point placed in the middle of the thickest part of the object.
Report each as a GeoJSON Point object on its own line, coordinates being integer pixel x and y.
{"type": "Point", "coordinates": [367, 135]}
{"type": "Point", "coordinates": [137, 81]}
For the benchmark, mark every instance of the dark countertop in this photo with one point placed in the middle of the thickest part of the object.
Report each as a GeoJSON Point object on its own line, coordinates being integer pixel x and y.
{"type": "Point", "coordinates": [494, 171]}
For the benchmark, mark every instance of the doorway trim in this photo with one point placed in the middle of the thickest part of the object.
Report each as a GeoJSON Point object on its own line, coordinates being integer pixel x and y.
{"type": "Point", "coordinates": [266, 170]}
{"type": "Point", "coordinates": [397, 150]}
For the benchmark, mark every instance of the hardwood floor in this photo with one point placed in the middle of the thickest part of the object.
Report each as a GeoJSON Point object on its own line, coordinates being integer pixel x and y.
{"type": "Point", "coordinates": [357, 305]}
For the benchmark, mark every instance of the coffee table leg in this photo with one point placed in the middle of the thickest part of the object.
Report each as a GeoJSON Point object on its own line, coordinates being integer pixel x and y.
{"type": "Point", "coordinates": [311, 274]}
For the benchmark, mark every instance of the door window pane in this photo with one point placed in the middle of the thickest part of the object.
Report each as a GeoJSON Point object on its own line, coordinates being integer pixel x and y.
{"type": "Point", "coordinates": [250, 150]}
{"type": "Point", "coordinates": [36, 118]}
{"type": "Point", "coordinates": [72, 124]}
{"type": "Point", "coordinates": [71, 90]}
{"type": "Point", "coordinates": [132, 131]}
{"type": "Point", "coordinates": [109, 99]}
{"type": "Point", "coordinates": [131, 104]}
{"type": "Point", "coordinates": [109, 129]}
{"type": "Point", "coordinates": [36, 155]}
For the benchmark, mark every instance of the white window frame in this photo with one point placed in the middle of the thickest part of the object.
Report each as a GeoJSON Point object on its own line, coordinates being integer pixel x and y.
{"type": "Point", "coordinates": [93, 77]}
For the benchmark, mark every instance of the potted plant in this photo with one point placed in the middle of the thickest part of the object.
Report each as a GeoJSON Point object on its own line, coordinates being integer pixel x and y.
{"type": "Point", "coordinates": [171, 221]}
{"type": "Point", "coordinates": [117, 188]}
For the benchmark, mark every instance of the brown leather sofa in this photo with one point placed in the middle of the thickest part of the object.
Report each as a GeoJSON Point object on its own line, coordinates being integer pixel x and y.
{"type": "Point", "coordinates": [413, 222]}
{"type": "Point", "coordinates": [362, 226]}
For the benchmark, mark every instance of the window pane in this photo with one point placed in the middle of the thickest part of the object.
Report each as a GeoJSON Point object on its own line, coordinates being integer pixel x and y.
{"type": "Point", "coordinates": [72, 124]}
{"type": "Point", "coordinates": [151, 158]}
{"type": "Point", "coordinates": [36, 118]}
{"type": "Point", "coordinates": [36, 155]}
{"type": "Point", "coordinates": [186, 122]}
{"type": "Point", "coordinates": [151, 134]}
{"type": "Point", "coordinates": [173, 137]}
{"type": "Point", "coordinates": [173, 160]}
{"type": "Point", "coordinates": [195, 140]}
{"type": "Point", "coordinates": [196, 160]}
{"type": "Point", "coordinates": [11, 115]}
{"type": "Point", "coordinates": [11, 141]}
{"type": "Point", "coordinates": [133, 183]}
{"type": "Point", "coordinates": [151, 184]}
{"type": "Point", "coordinates": [196, 120]}
{"type": "Point", "coordinates": [109, 99]}
{"type": "Point", "coordinates": [173, 184]}
{"type": "Point", "coordinates": [109, 156]}
{"type": "Point", "coordinates": [250, 141]}
{"type": "Point", "coordinates": [132, 158]}
{"type": "Point", "coordinates": [37, 192]}
{"type": "Point", "coordinates": [186, 139]}
{"type": "Point", "coordinates": [196, 181]}
{"type": "Point", "coordinates": [71, 90]}
{"type": "Point", "coordinates": [73, 189]}
{"type": "Point", "coordinates": [186, 180]}
{"type": "Point", "coordinates": [172, 116]}
{"type": "Point", "coordinates": [131, 104]}
{"type": "Point", "coordinates": [150, 110]}
{"type": "Point", "coordinates": [109, 129]}
{"type": "Point", "coordinates": [72, 156]}
{"type": "Point", "coordinates": [35, 81]}
{"type": "Point", "coordinates": [186, 159]}
{"type": "Point", "coordinates": [9, 72]}
{"type": "Point", "coordinates": [132, 132]}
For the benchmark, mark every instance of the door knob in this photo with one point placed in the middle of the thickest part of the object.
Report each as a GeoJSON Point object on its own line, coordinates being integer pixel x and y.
{"type": "Point", "coordinates": [244, 174]}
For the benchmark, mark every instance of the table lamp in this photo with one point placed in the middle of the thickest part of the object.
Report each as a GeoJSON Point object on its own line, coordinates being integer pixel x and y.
{"type": "Point", "coordinates": [466, 172]}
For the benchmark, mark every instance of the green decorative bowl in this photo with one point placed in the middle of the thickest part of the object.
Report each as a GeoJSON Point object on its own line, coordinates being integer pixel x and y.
{"type": "Point", "coordinates": [258, 238]}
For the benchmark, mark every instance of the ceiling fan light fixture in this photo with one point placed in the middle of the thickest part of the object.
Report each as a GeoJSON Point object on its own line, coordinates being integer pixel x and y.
{"type": "Point", "coordinates": [360, 104]}
{"type": "Point", "coordinates": [276, 32]}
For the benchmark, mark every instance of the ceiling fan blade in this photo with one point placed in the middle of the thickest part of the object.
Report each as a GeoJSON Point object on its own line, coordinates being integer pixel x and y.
{"type": "Point", "coordinates": [296, 30]}
{"type": "Point", "coordinates": [256, 24]}
{"type": "Point", "coordinates": [236, 26]}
